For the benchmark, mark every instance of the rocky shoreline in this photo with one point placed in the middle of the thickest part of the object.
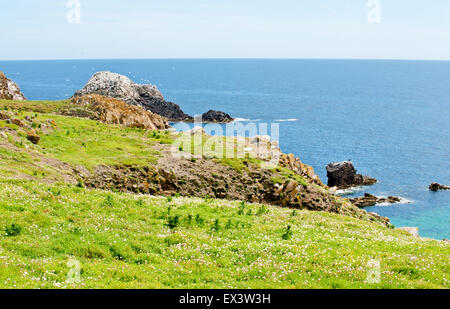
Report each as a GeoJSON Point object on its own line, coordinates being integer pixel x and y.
{"type": "Point", "coordinates": [114, 99]}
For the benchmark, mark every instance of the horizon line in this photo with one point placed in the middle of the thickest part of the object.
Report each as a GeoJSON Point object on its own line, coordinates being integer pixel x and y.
{"type": "Point", "coordinates": [224, 58]}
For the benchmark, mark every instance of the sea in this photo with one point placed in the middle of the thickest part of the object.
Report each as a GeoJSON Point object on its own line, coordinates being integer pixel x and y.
{"type": "Point", "coordinates": [390, 118]}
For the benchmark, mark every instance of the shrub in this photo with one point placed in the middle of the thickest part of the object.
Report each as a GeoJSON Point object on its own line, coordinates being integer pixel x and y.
{"type": "Point", "coordinates": [287, 233]}
{"type": "Point", "coordinates": [109, 201]}
{"type": "Point", "coordinates": [189, 220]}
{"type": "Point", "coordinates": [173, 222]}
{"type": "Point", "coordinates": [13, 230]}
{"type": "Point", "coordinates": [198, 220]}
{"type": "Point", "coordinates": [262, 210]}
{"type": "Point", "coordinates": [241, 208]}
{"type": "Point", "coordinates": [216, 226]}
{"type": "Point", "coordinates": [229, 224]}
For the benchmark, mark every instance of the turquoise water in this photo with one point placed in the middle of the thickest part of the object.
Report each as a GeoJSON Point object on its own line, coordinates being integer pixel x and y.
{"type": "Point", "coordinates": [391, 118]}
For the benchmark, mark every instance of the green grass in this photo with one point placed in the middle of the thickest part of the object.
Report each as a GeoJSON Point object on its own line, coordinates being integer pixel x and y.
{"type": "Point", "coordinates": [133, 241]}
{"type": "Point", "coordinates": [288, 174]}
{"type": "Point", "coordinates": [90, 143]}
{"type": "Point", "coordinates": [35, 106]}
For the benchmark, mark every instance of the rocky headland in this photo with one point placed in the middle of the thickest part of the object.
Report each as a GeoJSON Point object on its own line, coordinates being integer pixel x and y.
{"type": "Point", "coordinates": [263, 174]}
{"type": "Point", "coordinates": [9, 90]}
{"type": "Point", "coordinates": [120, 87]}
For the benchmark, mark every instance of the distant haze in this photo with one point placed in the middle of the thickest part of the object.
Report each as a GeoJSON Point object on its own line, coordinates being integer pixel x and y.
{"type": "Point", "coordinates": [60, 29]}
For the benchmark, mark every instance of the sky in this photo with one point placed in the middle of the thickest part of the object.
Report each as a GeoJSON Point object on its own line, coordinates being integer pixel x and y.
{"type": "Point", "coordinates": [362, 29]}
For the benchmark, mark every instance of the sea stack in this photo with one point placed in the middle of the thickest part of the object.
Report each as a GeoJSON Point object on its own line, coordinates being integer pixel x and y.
{"type": "Point", "coordinates": [9, 90]}
{"type": "Point", "coordinates": [343, 175]}
{"type": "Point", "coordinates": [216, 116]}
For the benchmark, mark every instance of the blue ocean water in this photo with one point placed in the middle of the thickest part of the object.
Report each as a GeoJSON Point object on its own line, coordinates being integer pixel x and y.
{"type": "Point", "coordinates": [391, 118]}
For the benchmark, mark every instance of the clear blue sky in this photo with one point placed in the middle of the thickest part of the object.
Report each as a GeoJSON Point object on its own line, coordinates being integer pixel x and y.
{"type": "Point", "coordinates": [409, 29]}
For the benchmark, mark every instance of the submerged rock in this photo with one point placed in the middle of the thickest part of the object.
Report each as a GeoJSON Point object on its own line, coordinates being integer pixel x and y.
{"type": "Point", "coordinates": [120, 87]}
{"type": "Point", "coordinates": [114, 111]}
{"type": "Point", "coordinates": [216, 116]}
{"type": "Point", "coordinates": [343, 175]}
{"type": "Point", "coordinates": [9, 90]}
{"type": "Point", "coordinates": [437, 187]}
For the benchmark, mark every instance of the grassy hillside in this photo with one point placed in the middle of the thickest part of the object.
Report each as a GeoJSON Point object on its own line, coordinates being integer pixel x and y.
{"type": "Point", "coordinates": [136, 241]}
{"type": "Point", "coordinates": [125, 240]}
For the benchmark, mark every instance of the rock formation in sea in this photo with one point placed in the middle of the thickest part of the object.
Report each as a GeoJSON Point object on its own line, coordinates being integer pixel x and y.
{"type": "Point", "coordinates": [216, 116]}
{"type": "Point", "coordinates": [120, 87]}
{"type": "Point", "coordinates": [372, 200]}
{"type": "Point", "coordinates": [9, 90]}
{"type": "Point", "coordinates": [113, 111]}
{"type": "Point", "coordinates": [343, 175]}
{"type": "Point", "coordinates": [437, 187]}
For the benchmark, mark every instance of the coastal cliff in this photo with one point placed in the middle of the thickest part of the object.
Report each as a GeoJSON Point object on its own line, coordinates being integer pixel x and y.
{"type": "Point", "coordinates": [132, 151]}
{"type": "Point", "coordinates": [9, 90]}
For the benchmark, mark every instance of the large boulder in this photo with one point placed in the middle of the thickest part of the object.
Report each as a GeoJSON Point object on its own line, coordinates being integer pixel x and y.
{"type": "Point", "coordinates": [343, 175]}
{"type": "Point", "coordinates": [9, 90]}
{"type": "Point", "coordinates": [120, 87]}
{"type": "Point", "coordinates": [113, 111]}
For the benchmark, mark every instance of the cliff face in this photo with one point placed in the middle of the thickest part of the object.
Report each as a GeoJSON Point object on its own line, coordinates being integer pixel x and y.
{"type": "Point", "coordinates": [9, 90]}
{"type": "Point", "coordinates": [120, 87]}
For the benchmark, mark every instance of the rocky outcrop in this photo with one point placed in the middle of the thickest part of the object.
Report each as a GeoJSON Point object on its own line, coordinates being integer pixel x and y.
{"type": "Point", "coordinates": [371, 200]}
{"type": "Point", "coordinates": [307, 172]}
{"type": "Point", "coordinates": [33, 137]}
{"type": "Point", "coordinates": [120, 87]}
{"type": "Point", "coordinates": [205, 178]}
{"type": "Point", "coordinates": [216, 116]}
{"type": "Point", "coordinates": [113, 111]}
{"type": "Point", "coordinates": [437, 187]}
{"type": "Point", "coordinates": [343, 175]}
{"type": "Point", "coordinates": [9, 90]}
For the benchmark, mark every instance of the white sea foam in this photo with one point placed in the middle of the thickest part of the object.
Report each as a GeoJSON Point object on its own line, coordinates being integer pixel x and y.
{"type": "Point", "coordinates": [245, 120]}
{"type": "Point", "coordinates": [349, 190]}
{"type": "Point", "coordinates": [287, 120]}
{"type": "Point", "coordinates": [402, 201]}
